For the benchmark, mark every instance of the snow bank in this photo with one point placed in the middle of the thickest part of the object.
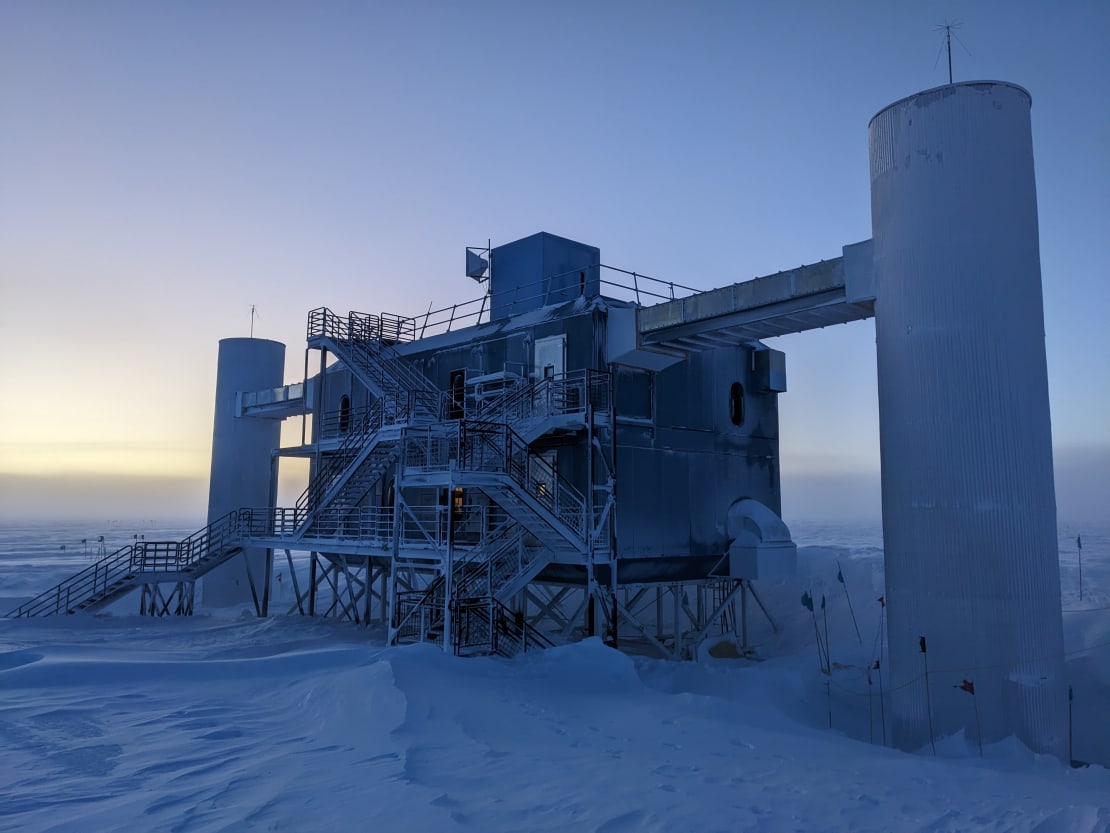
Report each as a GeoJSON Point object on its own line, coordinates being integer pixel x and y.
{"type": "Point", "coordinates": [290, 724]}
{"type": "Point", "coordinates": [234, 723]}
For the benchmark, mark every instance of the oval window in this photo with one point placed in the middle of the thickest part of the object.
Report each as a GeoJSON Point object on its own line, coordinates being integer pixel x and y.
{"type": "Point", "coordinates": [344, 414]}
{"type": "Point", "coordinates": [736, 403]}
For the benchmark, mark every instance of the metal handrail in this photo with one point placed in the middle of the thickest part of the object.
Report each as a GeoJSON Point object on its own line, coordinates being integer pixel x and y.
{"type": "Point", "coordinates": [370, 339]}
{"type": "Point", "coordinates": [113, 572]}
{"type": "Point", "coordinates": [641, 289]}
{"type": "Point", "coordinates": [341, 421]}
{"type": "Point", "coordinates": [336, 464]}
{"type": "Point", "coordinates": [477, 310]}
{"type": "Point", "coordinates": [497, 447]}
{"type": "Point", "coordinates": [564, 393]}
{"type": "Point", "coordinates": [501, 623]}
{"type": "Point", "coordinates": [506, 540]}
{"type": "Point", "coordinates": [99, 576]}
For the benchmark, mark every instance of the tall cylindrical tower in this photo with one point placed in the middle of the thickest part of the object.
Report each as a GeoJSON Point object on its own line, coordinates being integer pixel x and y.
{"type": "Point", "coordinates": [241, 453]}
{"type": "Point", "coordinates": [969, 507]}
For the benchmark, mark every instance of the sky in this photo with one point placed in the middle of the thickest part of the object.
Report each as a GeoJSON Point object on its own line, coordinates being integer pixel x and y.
{"type": "Point", "coordinates": [165, 166]}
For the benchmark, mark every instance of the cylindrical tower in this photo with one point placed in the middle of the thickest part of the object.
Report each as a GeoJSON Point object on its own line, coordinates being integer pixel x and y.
{"type": "Point", "coordinates": [242, 449]}
{"type": "Point", "coordinates": [969, 507]}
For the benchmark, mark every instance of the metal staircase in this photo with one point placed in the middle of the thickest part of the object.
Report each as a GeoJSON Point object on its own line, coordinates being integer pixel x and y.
{"type": "Point", "coordinates": [536, 408]}
{"type": "Point", "coordinates": [546, 517]}
{"type": "Point", "coordinates": [140, 563]}
{"type": "Point", "coordinates": [531, 514]}
{"type": "Point", "coordinates": [364, 344]}
{"type": "Point", "coordinates": [404, 396]}
{"type": "Point", "coordinates": [482, 582]}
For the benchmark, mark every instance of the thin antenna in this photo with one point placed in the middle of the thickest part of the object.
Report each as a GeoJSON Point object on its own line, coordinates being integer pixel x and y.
{"type": "Point", "coordinates": [254, 314]}
{"type": "Point", "coordinates": [947, 28]}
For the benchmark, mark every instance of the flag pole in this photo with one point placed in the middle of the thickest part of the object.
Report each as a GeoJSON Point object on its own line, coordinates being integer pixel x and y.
{"type": "Point", "coordinates": [969, 687]}
{"type": "Point", "coordinates": [928, 697]}
{"type": "Point", "coordinates": [870, 710]}
{"type": "Point", "coordinates": [882, 701]}
{"type": "Point", "coordinates": [851, 610]}
{"type": "Point", "coordinates": [822, 659]}
{"type": "Point", "coordinates": [825, 616]}
{"type": "Point", "coordinates": [807, 602]}
{"type": "Point", "coordinates": [1071, 756]}
{"type": "Point", "coordinates": [1079, 546]}
{"type": "Point", "coordinates": [978, 725]}
{"type": "Point", "coordinates": [828, 659]}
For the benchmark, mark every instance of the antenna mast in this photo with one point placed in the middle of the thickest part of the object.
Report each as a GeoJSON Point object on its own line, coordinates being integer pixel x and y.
{"type": "Point", "coordinates": [948, 43]}
{"type": "Point", "coordinates": [947, 28]}
{"type": "Point", "coordinates": [254, 315]}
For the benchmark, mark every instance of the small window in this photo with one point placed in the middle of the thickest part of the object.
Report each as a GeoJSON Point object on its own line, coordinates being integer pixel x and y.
{"type": "Point", "coordinates": [736, 403]}
{"type": "Point", "coordinates": [458, 394]}
{"type": "Point", "coordinates": [344, 414]}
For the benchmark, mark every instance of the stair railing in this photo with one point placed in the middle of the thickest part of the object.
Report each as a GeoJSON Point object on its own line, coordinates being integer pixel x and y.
{"type": "Point", "coordinates": [214, 540]}
{"type": "Point", "coordinates": [563, 394]}
{"type": "Point", "coordinates": [97, 578]}
{"type": "Point", "coordinates": [487, 622]}
{"type": "Point", "coordinates": [495, 447]}
{"type": "Point", "coordinates": [368, 340]}
{"type": "Point", "coordinates": [113, 572]}
{"type": "Point", "coordinates": [479, 574]}
{"type": "Point", "coordinates": [335, 464]}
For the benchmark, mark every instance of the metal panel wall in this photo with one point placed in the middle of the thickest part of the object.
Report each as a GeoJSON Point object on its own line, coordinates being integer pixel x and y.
{"type": "Point", "coordinates": [241, 446]}
{"type": "Point", "coordinates": [681, 462]}
{"type": "Point", "coordinates": [678, 476]}
{"type": "Point", "coordinates": [969, 514]}
{"type": "Point", "coordinates": [539, 270]}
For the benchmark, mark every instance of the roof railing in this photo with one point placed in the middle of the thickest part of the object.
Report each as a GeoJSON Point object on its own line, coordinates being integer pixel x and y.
{"type": "Point", "coordinates": [617, 283]}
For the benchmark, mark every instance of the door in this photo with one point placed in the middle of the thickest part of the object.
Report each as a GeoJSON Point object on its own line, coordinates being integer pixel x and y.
{"type": "Point", "coordinates": [550, 357]}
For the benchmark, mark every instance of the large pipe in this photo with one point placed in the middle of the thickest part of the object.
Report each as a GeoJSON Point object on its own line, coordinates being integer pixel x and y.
{"type": "Point", "coordinates": [969, 509]}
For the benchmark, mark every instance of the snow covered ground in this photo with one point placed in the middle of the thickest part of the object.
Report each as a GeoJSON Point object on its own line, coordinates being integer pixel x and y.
{"type": "Point", "coordinates": [227, 722]}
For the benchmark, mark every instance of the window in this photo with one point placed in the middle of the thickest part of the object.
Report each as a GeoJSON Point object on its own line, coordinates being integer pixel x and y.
{"type": "Point", "coordinates": [736, 403]}
{"type": "Point", "coordinates": [344, 414]}
{"type": "Point", "coordinates": [458, 499]}
{"type": "Point", "coordinates": [458, 394]}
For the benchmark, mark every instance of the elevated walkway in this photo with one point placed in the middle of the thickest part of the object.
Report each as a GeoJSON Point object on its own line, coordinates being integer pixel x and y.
{"type": "Point", "coordinates": [275, 403]}
{"type": "Point", "coordinates": [830, 292]}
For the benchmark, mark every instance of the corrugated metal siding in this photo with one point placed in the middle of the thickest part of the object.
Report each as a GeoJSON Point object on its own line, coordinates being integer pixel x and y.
{"type": "Point", "coordinates": [969, 511]}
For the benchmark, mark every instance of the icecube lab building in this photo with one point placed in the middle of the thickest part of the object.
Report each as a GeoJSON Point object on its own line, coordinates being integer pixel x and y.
{"type": "Point", "coordinates": [551, 460]}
